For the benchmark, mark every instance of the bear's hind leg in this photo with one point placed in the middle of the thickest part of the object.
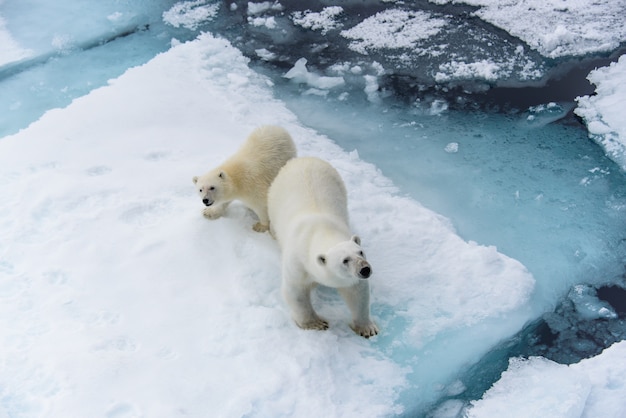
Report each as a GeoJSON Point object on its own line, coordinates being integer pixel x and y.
{"type": "Point", "coordinates": [299, 300]}
{"type": "Point", "coordinates": [357, 298]}
{"type": "Point", "coordinates": [264, 220]}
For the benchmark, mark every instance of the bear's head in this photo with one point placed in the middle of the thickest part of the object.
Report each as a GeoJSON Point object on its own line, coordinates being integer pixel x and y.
{"type": "Point", "coordinates": [346, 262]}
{"type": "Point", "coordinates": [213, 187]}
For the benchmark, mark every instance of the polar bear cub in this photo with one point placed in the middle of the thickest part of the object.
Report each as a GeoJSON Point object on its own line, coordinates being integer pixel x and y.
{"type": "Point", "coordinates": [308, 209]}
{"type": "Point", "coordinates": [247, 174]}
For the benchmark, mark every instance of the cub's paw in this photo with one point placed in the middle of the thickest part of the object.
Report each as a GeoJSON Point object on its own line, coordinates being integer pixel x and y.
{"type": "Point", "coordinates": [212, 213]}
{"type": "Point", "coordinates": [259, 227]}
{"type": "Point", "coordinates": [315, 323]}
{"type": "Point", "coordinates": [365, 330]}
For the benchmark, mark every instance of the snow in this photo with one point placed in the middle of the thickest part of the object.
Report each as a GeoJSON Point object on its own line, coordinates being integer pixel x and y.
{"type": "Point", "coordinates": [118, 297]}
{"type": "Point", "coordinates": [189, 14]}
{"type": "Point", "coordinates": [105, 283]}
{"type": "Point", "coordinates": [268, 22]}
{"type": "Point", "coordinates": [255, 8]}
{"type": "Point", "coordinates": [594, 387]}
{"type": "Point", "coordinates": [557, 28]}
{"type": "Point", "coordinates": [323, 21]}
{"type": "Point", "coordinates": [603, 112]}
{"type": "Point", "coordinates": [392, 28]}
{"type": "Point", "coordinates": [483, 69]}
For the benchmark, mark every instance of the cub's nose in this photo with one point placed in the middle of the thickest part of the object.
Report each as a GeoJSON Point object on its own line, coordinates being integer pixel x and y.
{"type": "Point", "coordinates": [365, 272]}
{"type": "Point", "coordinates": [206, 202]}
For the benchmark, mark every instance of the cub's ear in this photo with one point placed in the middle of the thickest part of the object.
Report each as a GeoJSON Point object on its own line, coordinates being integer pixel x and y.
{"type": "Point", "coordinates": [356, 239]}
{"type": "Point", "coordinates": [321, 259]}
{"type": "Point", "coordinates": [222, 175]}
{"type": "Point", "coordinates": [195, 179]}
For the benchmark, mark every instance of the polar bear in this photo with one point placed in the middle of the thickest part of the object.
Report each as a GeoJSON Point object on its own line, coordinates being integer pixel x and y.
{"type": "Point", "coordinates": [307, 205]}
{"type": "Point", "coordinates": [247, 174]}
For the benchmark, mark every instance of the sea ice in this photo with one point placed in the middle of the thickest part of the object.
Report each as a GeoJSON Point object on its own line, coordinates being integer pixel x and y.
{"type": "Point", "coordinates": [117, 295]}
{"type": "Point", "coordinates": [604, 112]}
{"type": "Point", "coordinates": [557, 28]}
{"type": "Point", "coordinates": [105, 283]}
{"type": "Point", "coordinates": [394, 29]}
{"type": "Point", "coordinates": [594, 387]}
{"type": "Point", "coordinates": [300, 74]}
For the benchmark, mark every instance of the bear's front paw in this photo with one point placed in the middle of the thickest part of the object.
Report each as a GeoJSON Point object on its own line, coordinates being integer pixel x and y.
{"type": "Point", "coordinates": [212, 213]}
{"type": "Point", "coordinates": [365, 330]}
{"type": "Point", "coordinates": [259, 227]}
{"type": "Point", "coordinates": [316, 323]}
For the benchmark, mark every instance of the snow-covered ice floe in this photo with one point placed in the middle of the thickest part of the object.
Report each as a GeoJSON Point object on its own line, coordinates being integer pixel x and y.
{"type": "Point", "coordinates": [556, 28]}
{"type": "Point", "coordinates": [118, 297]}
{"type": "Point", "coordinates": [603, 112]}
{"type": "Point", "coordinates": [537, 387]}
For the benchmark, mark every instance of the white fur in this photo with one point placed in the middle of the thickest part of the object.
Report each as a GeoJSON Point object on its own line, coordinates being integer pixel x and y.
{"type": "Point", "coordinates": [307, 205]}
{"type": "Point", "coordinates": [247, 174]}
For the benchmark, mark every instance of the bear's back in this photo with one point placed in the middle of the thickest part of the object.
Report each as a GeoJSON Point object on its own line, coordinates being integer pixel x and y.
{"type": "Point", "coordinates": [259, 159]}
{"type": "Point", "coordinates": [307, 186]}
{"type": "Point", "coordinates": [269, 144]}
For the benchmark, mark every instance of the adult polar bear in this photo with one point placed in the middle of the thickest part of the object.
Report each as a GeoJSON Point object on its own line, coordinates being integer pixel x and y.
{"type": "Point", "coordinates": [247, 174]}
{"type": "Point", "coordinates": [308, 209]}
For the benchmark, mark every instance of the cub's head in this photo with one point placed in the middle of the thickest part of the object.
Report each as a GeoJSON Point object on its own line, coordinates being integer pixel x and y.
{"type": "Point", "coordinates": [346, 261]}
{"type": "Point", "coordinates": [212, 187]}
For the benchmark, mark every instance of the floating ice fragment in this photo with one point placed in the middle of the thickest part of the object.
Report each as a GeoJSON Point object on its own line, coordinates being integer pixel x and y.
{"type": "Point", "coordinates": [437, 107]}
{"type": "Point", "coordinates": [265, 54]}
{"type": "Point", "coordinates": [543, 114]}
{"type": "Point", "coordinates": [588, 305]}
{"type": "Point", "coordinates": [316, 92]}
{"type": "Point", "coordinates": [393, 29]}
{"type": "Point", "coordinates": [300, 74]}
{"type": "Point", "coordinates": [452, 147]}
{"type": "Point", "coordinates": [268, 22]}
{"type": "Point", "coordinates": [371, 88]}
{"type": "Point", "coordinates": [259, 8]}
{"type": "Point", "coordinates": [323, 21]}
{"type": "Point", "coordinates": [483, 69]}
{"type": "Point", "coordinates": [190, 14]}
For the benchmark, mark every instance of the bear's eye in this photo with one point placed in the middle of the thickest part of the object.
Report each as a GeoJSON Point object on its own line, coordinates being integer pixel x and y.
{"type": "Point", "coordinates": [361, 253]}
{"type": "Point", "coordinates": [212, 188]}
{"type": "Point", "coordinates": [346, 261]}
{"type": "Point", "coordinates": [200, 190]}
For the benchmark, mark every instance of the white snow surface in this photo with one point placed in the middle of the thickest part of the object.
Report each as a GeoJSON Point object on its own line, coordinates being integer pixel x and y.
{"type": "Point", "coordinates": [557, 28]}
{"type": "Point", "coordinates": [394, 29]}
{"type": "Point", "coordinates": [604, 112]}
{"type": "Point", "coordinates": [534, 387]}
{"type": "Point", "coordinates": [117, 298]}
{"type": "Point", "coordinates": [324, 21]}
{"type": "Point", "coordinates": [189, 14]}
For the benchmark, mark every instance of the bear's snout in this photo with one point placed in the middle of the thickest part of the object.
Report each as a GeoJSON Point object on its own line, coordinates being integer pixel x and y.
{"type": "Point", "coordinates": [365, 272]}
{"type": "Point", "coordinates": [207, 202]}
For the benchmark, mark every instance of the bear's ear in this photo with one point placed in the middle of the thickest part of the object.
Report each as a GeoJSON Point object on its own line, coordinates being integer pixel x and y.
{"type": "Point", "coordinates": [222, 175]}
{"type": "Point", "coordinates": [195, 179]}
{"type": "Point", "coordinates": [356, 239]}
{"type": "Point", "coordinates": [321, 259]}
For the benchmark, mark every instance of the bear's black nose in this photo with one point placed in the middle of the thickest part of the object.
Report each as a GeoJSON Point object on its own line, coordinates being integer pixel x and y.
{"type": "Point", "coordinates": [365, 272]}
{"type": "Point", "coordinates": [206, 202]}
